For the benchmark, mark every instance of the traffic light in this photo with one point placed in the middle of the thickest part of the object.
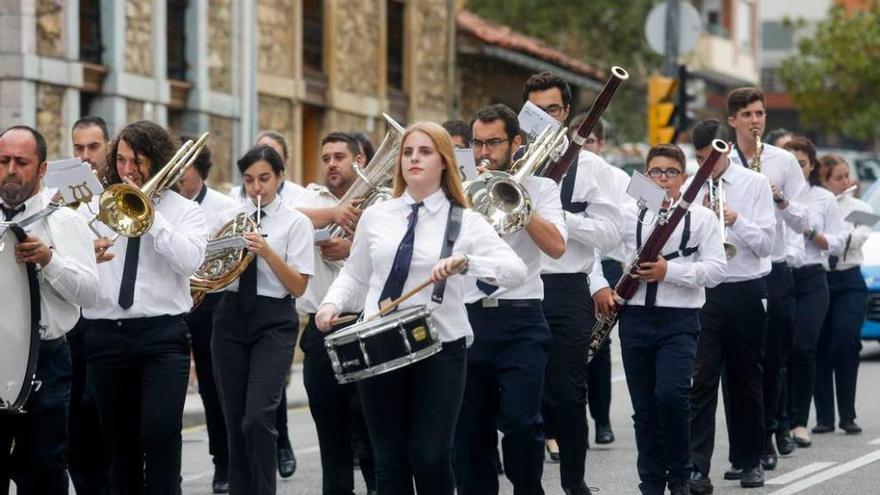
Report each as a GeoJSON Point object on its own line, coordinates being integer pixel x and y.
{"type": "Point", "coordinates": [661, 109]}
{"type": "Point", "coordinates": [691, 98]}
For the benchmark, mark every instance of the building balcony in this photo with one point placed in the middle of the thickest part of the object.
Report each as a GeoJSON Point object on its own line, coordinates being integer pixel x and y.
{"type": "Point", "coordinates": [718, 59]}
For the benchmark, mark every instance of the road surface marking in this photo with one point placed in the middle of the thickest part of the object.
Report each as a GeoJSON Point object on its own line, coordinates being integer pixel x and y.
{"type": "Point", "coordinates": [874, 442]}
{"type": "Point", "coordinates": [829, 473]}
{"type": "Point", "coordinates": [799, 473]}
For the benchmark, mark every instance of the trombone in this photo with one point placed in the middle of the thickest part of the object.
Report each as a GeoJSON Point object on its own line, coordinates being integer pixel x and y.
{"type": "Point", "coordinates": [716, 204]}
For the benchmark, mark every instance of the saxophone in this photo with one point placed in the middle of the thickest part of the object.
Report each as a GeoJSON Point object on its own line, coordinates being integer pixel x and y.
{"type": "Point", "coordinates": [755, 163]}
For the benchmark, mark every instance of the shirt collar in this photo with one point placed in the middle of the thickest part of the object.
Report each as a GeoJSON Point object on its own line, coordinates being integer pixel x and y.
{"type": "Point", "coordinates": [269, 209]}
{"type": "Point", "coordinates": [31, 205]}
{"type": "Point", "coordinates": [732, 174]}
{"type": "Point", "coordinates": [432, 203]}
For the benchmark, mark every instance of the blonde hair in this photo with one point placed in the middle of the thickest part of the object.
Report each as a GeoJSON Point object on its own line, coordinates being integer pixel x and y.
{"type": "Point", "coordinates": [450, 179]}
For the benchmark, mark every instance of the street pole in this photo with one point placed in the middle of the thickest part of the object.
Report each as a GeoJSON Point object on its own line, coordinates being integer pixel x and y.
{"type": "Point", "coordinates": [670, 62]}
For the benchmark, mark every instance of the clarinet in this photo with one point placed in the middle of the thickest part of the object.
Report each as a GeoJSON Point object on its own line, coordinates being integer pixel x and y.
{"type": "Point", "coordinates": [628, 284]}
{"type": "Point", "coordinates": [556, 170]}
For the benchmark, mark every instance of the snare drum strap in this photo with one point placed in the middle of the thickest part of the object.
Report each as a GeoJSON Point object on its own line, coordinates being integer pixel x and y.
{"type": "Point", "coordinates": [453, 227]}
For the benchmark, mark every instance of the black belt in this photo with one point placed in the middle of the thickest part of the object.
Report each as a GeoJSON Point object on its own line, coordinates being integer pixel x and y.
{"type": "Point", "coordinates": [52, 345]}
{"type": "Point", "coordinates": [488, 302]}
{"type": "Point", "coordinates": [144, 322]}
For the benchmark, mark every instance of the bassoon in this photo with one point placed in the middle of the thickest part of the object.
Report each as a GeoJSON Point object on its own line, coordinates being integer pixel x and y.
{"type": "Point", "coordinates": [556, 169]}
{"type": "Point", "coordinates": [628, 285]}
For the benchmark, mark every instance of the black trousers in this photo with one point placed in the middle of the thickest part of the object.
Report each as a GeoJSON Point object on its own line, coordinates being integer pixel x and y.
{"type": "Point", "coordinates": [201, 328]}
{"type": "Point", "coordinates": [564, 403]}
{"type": "Point", "coordinates": [659, 347]}
{"type": "Point", "coordinates": [599, 376]}
{"type": "Point", "coordinates": [731, 342]}
{"type": "Point", "coordinates": [252, 356]}
{"type": "Point", "coordinates": [140, 368]}
{"type": "Point", "coordinates": [330, 405]}
{"type": "Point", "coordinates": [505, 380]}
{"type": "Point", "coordinates": [777, 340]}
{"type": "Point", "coordinates": [411, 414]}
{"type": "Point", "coordinates": [839, 346]}
{"type": "Point", "coordinates": [33, 444]}
{"type": "Point", "coordinates": [811, 299]}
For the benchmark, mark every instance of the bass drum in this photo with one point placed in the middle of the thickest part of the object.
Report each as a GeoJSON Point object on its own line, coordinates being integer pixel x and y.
{"type": "Point", "coordinates": [20, 325]}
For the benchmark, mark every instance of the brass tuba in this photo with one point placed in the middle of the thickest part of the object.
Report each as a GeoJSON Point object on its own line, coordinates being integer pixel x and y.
{"type": "Point", "coordinates": [129, 211]}
{"type": "Point", "coordinates": [500, 196]}
{"type": "Point", "coordinates": [226, 257]}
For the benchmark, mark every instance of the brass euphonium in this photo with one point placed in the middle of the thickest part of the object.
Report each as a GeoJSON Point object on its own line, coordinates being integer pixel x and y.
{"type": "Point", "coordinates": [500, 196]}
{"type": "Point", "coordinates": [129, 211]}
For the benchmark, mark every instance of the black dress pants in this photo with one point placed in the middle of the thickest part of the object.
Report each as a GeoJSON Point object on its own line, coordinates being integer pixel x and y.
{"type": "Point", "coordinates": [252, 356]}
{"type": "Point", "coordinates": [201, 327]}
{"type": "Point", "coordinates": [731, 343]}
{"type": "Point", "coordinates": [839, 346]}
{"type": "Point", "coordinates": [140, 368]}
{"type": "Point", "coordinates": [330, 405]}
{"type": "Point", "coordinates": [564, 404]}
{"type": "Point", "coordinates": [811, 296]}
{"type": "Point", "coordinates": [505, 381]}
{"type": "Point", "coordinates": [659, 347]}
{"type": "Point", "coordinates": [411, 414]}
{"type": "Point", "coordinates": [37, 439]}
{"type": "Point", "coordinates": [777, 340]}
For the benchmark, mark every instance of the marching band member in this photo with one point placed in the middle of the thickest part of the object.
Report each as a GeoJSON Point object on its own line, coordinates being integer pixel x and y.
{"type": "Point", "coordinates": [411, 412]}
{"type": "Point", "coordinates": [746, 115]}
{"type": "Point", "coordinates": [88, 470]}
{"type": "Point", "coordinates": [199, 321]}
{"type": "Point", "coordinates": [660, 326]}
{"type": "Point", "coordinates": [33, 444]}
{"type": "Point", "coordinates": [823, 236]}
{"type": "Point", "coordinates": [590, 217]}
{"type": "Point", "coordinates": [137, 344]}
{"type": "Point", "coordinates": [506, 364]}
{"type": "Point", "coordinates": [329, 402]}
{"type": "Point", "coordinates": [460, 132]}
{"type": "Point", "coordinates": [840, 340]}
{"type": "Point", "coordinates": [733, 319]}
{"type": "Point", "coordinates": [288, 191]}
{"type": "Point", "coordinates": [255, 323]}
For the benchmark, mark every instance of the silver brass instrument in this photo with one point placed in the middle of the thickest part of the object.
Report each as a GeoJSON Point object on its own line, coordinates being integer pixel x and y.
{"type": "Point", "coordinates": [716, 204]}
{"type": "Point", "coordinates": [129, 211]}
{"type": "Point", "coordinates": [755, 164]}
{"type": "Point", "coordinates": [500, 196]}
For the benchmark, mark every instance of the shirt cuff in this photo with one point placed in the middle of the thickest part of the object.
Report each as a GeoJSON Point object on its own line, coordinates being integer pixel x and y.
{"type": "Point", "coordinates": [54, 269]}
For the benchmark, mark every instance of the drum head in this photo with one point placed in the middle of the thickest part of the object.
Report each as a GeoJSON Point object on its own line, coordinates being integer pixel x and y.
{"type": "Point", "coordinates": [19, 333]}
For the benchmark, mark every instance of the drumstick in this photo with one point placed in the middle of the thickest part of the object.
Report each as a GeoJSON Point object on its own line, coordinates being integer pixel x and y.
{"type": "Point", "coordinates": [457, 264]}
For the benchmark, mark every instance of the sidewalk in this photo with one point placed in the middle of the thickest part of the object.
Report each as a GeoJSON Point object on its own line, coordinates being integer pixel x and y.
{"type": "Point", "coordinates": [194, 411]}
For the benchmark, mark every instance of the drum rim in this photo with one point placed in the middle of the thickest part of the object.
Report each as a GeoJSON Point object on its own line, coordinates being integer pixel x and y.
{"type": "Point", "coordinates": [355, 332]}
{"type": "Point", "coordinates": [388, 366]}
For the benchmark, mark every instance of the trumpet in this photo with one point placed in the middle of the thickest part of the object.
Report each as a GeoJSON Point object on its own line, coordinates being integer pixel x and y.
{"type": "Point", "coordinates": [716, 204]}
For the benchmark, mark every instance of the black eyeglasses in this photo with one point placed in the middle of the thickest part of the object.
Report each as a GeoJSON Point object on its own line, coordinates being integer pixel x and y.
{"type": "Point", "coordinates": [553, 110]}
{"type": "Point", "coordinates": [489, 143]}
{"type": "Point", "coordinates": [670, 173]}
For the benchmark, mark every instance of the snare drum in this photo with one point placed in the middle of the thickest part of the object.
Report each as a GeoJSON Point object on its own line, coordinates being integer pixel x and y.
{"type": "Point", "coordinates": [370, 348]}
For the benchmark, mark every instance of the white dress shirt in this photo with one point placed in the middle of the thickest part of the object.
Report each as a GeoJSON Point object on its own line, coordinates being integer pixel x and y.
{"type": "Point", "coordinates": [377, 238]}
{"type": "Point", "coordinates": [317, 196]}
{"type": "Point", "coordinates": [289, 233]}
{"type": "Point", "coordinates": [687, 277]}
{"type": "Point", "coordinates": [616, 181]}
{"type": "Point", "coordinates": [70, 280]}
{"type": "Point", "coordinates": [824, 216]}
{"type": "Point", "coordinates": [545, 202]}
{"type": "Point", "coordinates": [748, 194]}
{"type": "Point", "coordinates": [594, 228]}
{"type": "Point", "coordinates": [782, 169]}
{"type": "Point", "coordinates": [856, 235]}
{"type": "Point", "coordinates": [170, 252]}
{"type": "Point", "coordinates": [212, 204]}
{"type": "Point", "coordinates": [289, 192]}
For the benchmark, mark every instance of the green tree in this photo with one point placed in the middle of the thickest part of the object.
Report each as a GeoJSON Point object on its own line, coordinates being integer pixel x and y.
{"type": "Point", "coordinates": [835, 74]}
{"type": "Point", "coordinates": [599, 32]}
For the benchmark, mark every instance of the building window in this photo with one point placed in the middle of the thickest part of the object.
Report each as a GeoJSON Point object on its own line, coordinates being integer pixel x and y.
{"type": "Point", "coordinates": [395, 44]}
{"type": "Point", "coordinates": [313, 35]}
{"type": "Point", "coordinates": [90, 46]}
{"type": "Point", "coordinates": [175, 31]}
{"type": "Point", "coordinates": [744, 18]}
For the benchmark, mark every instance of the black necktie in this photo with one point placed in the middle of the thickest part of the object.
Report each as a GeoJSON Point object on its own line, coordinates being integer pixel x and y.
{"type": "Point", "coordinates": [10, 213]}
{"type": "Point", "coordinates": [129, 273]}
{"type": "Point", "coordinates": [247, 283]}
{"type": "Point", "coordinates": [400, 269]}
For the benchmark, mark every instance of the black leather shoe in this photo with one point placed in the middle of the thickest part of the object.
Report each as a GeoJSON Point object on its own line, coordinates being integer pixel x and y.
{"type": "Point", "coordinates": [554, 454]}
{"type": "Point", "coordinates": [679, 489]}
{"type": "Point", "coordinates": [604, 435]}
{"type": "Point", "coordinates": [286, 463]}
{"type": "Point", "coordinates": [820, 429]}
{"type": "Point", "coordinates": [733, 473]}
{"type": "Point", "coordinates": [769, 461]}
{"type": "Point", "coordinates": [700, 484]}
{"type": "Point", "coordinates": [784, 443]}
{"type": "Point", "coordinates": [850, 426]}
{"type": "Point", "coordinates": [579, 489]}
{"type": "Point", "coordinates": [219, 486]}
{"type": "Point", "coordinates": [752, 477]}
{"type": "Point", "coordinates": [802, 442]}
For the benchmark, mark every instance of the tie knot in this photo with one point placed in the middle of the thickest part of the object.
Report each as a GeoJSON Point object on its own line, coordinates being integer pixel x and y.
{"type": "Point", "coordinates": [10, 213]}
{"type": "Point", "coordinates": [416, 206]}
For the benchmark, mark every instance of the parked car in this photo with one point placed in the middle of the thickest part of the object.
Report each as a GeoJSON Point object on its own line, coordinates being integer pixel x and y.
{"type": "Point", "coordinates": [871, 269]}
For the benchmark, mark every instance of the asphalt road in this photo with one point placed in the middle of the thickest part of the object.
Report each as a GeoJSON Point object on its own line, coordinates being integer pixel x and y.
{"type": "Point", "coordinates": [835, 464]}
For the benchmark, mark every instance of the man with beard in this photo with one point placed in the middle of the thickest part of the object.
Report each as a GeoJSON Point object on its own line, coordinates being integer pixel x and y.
{"type": "Point", "coordinates": [33, 444]}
